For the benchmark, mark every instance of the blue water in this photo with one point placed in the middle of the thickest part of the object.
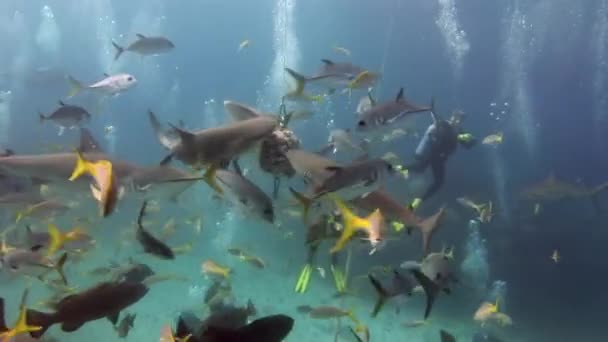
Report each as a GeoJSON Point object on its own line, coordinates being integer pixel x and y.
{"type": "Point", "coordinates": [532, 69]}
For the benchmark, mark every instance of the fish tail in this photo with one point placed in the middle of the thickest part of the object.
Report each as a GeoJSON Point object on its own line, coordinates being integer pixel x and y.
{"type": "Point", "coordinates": [210, 179]}
{"type": "Point", "coordinates": [75, 86]}
{"type": "Point", "coordinates": [41, 117]}
{"type": "Point", "coordinates": [59, 268]}
{"type": "Point", "coordinates": [39, 319]}
{"type": "Point", "coordinates": [427, 228]}
{"type": "Point", "coordinates": [82, 167]}
{"type": "Point", "coordinates": [382, 295]}
{"type": "Point", "coordinates": [300, 81]}
{"type": "Point", "coordinates": [303, 200]}
{"type": "Point", "coordinates": [351, 223]}
{"type": "Point", "coordinates": [57, 239]}
{"type": "Point", "coordinates": [495, 309]}
{"type": "Point", "coordinates": [430, 289]}
{"type": "Point", "coordinates": [119, 50]}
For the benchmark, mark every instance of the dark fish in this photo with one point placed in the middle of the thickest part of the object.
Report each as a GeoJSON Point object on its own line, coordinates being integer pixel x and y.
{"type": "Point", "coordinates": [104, 300]}
{"type": "Point", "coordinates": [400, 285]}
{"type": "Point", "coordinates": [267, 329]}
{"type": "Point", "coordinates": [229, 317]}
{"type": "Point", "coordinates": [214, 294]}
{"type": "Point", "coordinates": [67, 116]}
{"type": "Point", "coordinates": [151, 244]}
{"type": "Point", "coordinates": [125, 325]}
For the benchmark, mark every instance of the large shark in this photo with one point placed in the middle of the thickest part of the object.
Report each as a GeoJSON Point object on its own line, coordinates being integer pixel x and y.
{"type": "Point", "coordinates": [56, 169]}
{"type": "Point", "coordinates": [553, 189]}
{"type": "Point", "coordinates": [213, 146]}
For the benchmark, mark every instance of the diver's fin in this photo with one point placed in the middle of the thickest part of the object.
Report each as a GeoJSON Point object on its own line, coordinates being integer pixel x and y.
{"type": "Point", "coordinates": [119, 50]}
{"type": "Point", "coordinates": [88, 142]}
{"type": "Point", "coordinates": [399, 96]}
{"type": "Point", "coordinates": [382, 295]}
{"type": "Point", "coordinates": [430, 288]}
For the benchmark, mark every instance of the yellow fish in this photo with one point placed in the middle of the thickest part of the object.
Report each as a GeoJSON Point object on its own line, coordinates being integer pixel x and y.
{"type": "Point", "coordinates": [105, 191]}
{"type": "Point", "coordinates": [373, 225]}
{"type": "Point", "coordinates": [493, 139]}
{"type": "Point", "coordinates": [211, 267]}
{"type": "Point", "coordinates": [58, 239]}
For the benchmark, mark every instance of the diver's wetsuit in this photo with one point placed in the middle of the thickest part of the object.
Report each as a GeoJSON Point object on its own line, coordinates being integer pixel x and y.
{"type": "Point", "coordinates": [439, 141]}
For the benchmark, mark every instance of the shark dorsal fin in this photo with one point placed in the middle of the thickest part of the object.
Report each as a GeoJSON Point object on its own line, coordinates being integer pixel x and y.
{"type": "Point", "coordinates": [185, 136]}
{"type": "Point", "coordinates": [87, 142]}
{"type": "Point", "coordinates": [327, 61]}
{"type": "Point", "coordinates": [399, 96]}
{"type": "Point", "coordinates": [140, 36]}
{"type": "Point", "coordinates": [106, 74]}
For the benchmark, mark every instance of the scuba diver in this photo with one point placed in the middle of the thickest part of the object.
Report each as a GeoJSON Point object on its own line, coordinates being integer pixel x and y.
{"type": "Point", "coordinates": [439, 142]}
{"type": "Point", "coordinates": [326, 228]}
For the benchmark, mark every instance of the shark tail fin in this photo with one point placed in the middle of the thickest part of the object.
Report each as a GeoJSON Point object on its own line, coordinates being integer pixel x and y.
{"type": "Point", "coordinates": [300, 80]}
{"type": "Point", "coordinates": [303, 200]}
{"type": "Point", "coordinates": [430, 289]}
{"type": "Point", "coordinates": [75, 86]}
{"type": "Point", "coordinates": [382, 295]}
{"type": "Point", "coordinates": [119, 50]}
{"type": "Point", "coordinates": [428, 226]}
{"type": "Point", "coordinates": [596, 192]}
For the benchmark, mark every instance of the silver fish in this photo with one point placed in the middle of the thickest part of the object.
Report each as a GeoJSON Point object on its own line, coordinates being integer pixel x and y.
{"type": "Point", "coordinates": [67, 116]}
{"type": "Point", "coordinates": [389, 114]}
{"type": "Point", "coordinates": [110, 85]}
{"type": "Point", "coordinates": [334, 75]}
{"type": "Point", "coordinates": [145, 46]}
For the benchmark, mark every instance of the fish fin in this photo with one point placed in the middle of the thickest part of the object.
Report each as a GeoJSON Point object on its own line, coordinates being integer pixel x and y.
{"type": "Point", "coordinates": [430, 289]}
{"type": "Point", "coordinates": [59, 268]}
{"type": "Point", "coordinates": [355, 334]}
{"type": "Point", "coordinates": [87, 142]}
{"type": "Point", "coordinates": [428, 226]}
{"type": "Point", "coordinates": [95, 192]}
{"type": "Point", "coordinates": [167, 160]}
{"type": "Point", "coordinates": [140, 36]}
{"type": "Point", "coordinates": [433, 113]}
{"type": "Point", "coordinates": [119, 50]}
{"type": "Point", "coordinates": [446, 336]}
{"type": "Point", "coordinates": [82, 167]}
{"type": "Point", "coordinates": [327, 61]}
{"type": "Point", "coordinates": [210, 179]}
{"type": "Point", "coordinates": [71, 326]}
{"type": "Point", "coordinates": [41, 117]}
{"type": "Point", "coordinates": [237, 167]}
{"type": "Point", "coordinates": [300, 81]}
{"type": "Point", "coordinates": [57, 239]}
{"type": "Point", "coordinates": [351, 224]}
{"type": "Point", "coordinates": [303, 200]}
{"type": "Point", "coordinates": [140, 216]}
{"type": "Point", "coordinates": [3, 326]}
{"type": "Point", "coordinates": [182, 330]}
{"type": "Point", "coordinates": [382, 295]}
{"type": "Point", "coordinates": [75, 86]}
{"type": "Point", "coordinates": [187, 138]}
{"type": "Point", "coordinates": [114, 317]}
{"type": "Point", "coordinates": [399, 96]}
{"type": "Point", "coordinates": [40, 319]}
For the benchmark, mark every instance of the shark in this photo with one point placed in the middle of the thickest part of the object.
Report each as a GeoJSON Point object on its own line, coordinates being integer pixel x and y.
{"type": "Point", "coordinates": [554, 189]}
{"type": "Point", "coordinates": [55, 169]}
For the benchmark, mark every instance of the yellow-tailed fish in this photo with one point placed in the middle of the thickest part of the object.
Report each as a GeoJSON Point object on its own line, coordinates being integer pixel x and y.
{"type": "Point", "coordinates": [106, 190]}
{"type": "Point", "coordinates": [21, 326]}
{"type": "Point", "coordinates": [372, 225]}
{"type": "Point", "coordinates": [58, 238]}
{"type": "Point", "coordinates": [210, 267]}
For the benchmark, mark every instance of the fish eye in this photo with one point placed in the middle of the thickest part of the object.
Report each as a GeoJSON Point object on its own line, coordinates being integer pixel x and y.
{"type": "Point", "coordinates": [389, 167]}
{"type": "Point", "coordinates": [361, 123]}
{"type": "Point", "coordinates": [130, 78]}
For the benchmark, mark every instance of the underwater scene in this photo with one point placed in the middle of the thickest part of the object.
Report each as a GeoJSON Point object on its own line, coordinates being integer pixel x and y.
{"type": "Point", "coordinates": [303, 170]}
